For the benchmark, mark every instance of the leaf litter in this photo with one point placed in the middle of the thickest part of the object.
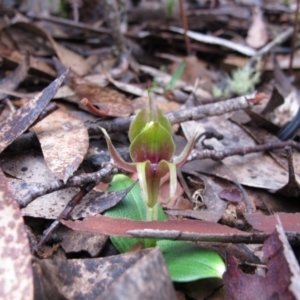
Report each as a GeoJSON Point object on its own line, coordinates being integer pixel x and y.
{"type": "Point", "coordinates": [231, 202]}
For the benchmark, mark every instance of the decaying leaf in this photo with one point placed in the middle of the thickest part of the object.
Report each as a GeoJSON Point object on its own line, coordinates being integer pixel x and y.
{"type": "Point", "coordinates": [90, 278]}
{"type": "Point", "coordinates": [148, 279]}
{"type": "Point", "coordinates": [16, 279]}
{"type": "Point", "coordinates": [64, 141]}
{"type": "Point", "coordinates": [19, 121]}
{"type": "Point", "coordinates": [255, 169]}
{"type": "Point", "coordinates": [290, 222]}
{"type": "Point", "coordinates": [282, 276]}
{"type": "Point", "coordinates": [110, 102]}
{"type": "Point", "coordinates": [257, 34]}
{"type": "Point", "coordinates": [15, 78]}
{"type": "Point", "coordinates": [77, 241]}
{"type": "Point", "coordinates": [120, 227]}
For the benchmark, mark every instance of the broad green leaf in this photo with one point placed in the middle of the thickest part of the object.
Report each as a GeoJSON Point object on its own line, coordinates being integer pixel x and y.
{"type": "Point", "coordinates": [131, 207]}
{"type": "Point", "coordinates": [188, 262]}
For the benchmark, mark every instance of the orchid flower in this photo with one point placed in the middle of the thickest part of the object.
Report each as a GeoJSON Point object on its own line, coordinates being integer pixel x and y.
{"type": "Point", "coordinates": [151, 150]}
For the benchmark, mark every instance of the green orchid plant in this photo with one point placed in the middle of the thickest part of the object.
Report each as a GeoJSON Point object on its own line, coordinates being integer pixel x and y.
{"type": "Point", "coordinates": [151, 150]}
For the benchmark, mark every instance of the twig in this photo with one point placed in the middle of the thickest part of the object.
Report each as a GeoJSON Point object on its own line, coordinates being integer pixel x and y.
{"type": "Point", "coordinates": [68, 23]}
{"type": "Point", "coordinates": [219, 155]}
{"type": "Point", "coordinates": [66, 212]}
{"type": "Point", "coordinates": [278, 40]}
{"type": "Point", "coordinates": [200, 37]}
{"type": "Point", "coordinates": [193, 113]}
{"type": "Point", "coordinates": [253, 238]}
{"type": "Point", "coordinates": [113, 20]}
{"type": "Point", "coordinates": [294, 40]}
{"type": "Point", "coordinates": [74, 181]}
{"type": "Point", "coordinates": [185, 27]}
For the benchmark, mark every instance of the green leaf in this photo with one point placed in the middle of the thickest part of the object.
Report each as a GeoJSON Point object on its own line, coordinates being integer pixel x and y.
{"type": "Point", "coordinates": [176, 76]}
{"type": "Point", "coordinates": [131, 207]}
{"type": "Point", "coordinates": [188, 262]}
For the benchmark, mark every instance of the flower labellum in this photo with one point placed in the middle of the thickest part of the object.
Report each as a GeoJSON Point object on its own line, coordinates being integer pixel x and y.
{"type": "Point", "coordinates": [151, 150]}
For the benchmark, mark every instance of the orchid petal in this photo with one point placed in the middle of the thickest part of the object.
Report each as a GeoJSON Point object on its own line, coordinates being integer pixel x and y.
{"type": "Point", "coordinates": [162, 169]}
{"type": "Point", "coordinates": [149, 183]}
{"type": "Point", "coordinates": [181, 159]}
{"type": "Point", "coordinates": [130, 167]}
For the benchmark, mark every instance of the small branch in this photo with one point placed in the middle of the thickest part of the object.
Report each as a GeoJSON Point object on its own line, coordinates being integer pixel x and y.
{"type": "Point", "coordinates": [203, 38]}
{"type": "Point", "coordinates": [193, 113]}
{"type": "Point", "coordinates": [253, 238]}
{"type": "Point", "coordinates": [185, 27]}
{"type": "Point", "coordinates": [294, 40]}
{"type": "Point", "coordinates": [66, 212]}
{"type": "Point", "coordinates": [74, 181]}
{"type": "Point", "coordinates": [113, 20]}
{"type": "Point", "coordinates": [219, 155]}
{"type": "Point", "coordinates": [70, 23]}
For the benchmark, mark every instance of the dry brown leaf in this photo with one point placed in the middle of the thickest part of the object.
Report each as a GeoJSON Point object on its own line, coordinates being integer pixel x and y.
{"type": "Point", "coordinates": [64, 141]}
{"type": "Point", "coordinates": [109, 101]}
{"type": "Point", "coordinates": [257, 34]}
{"type": "Point", "coordinates": [16, 278]}
{"type": "Point", "coordinates": [15, 56]}
{"type": "Point", "coordinates": [255, 169]}
{"type": "Point", "coordinates": [67, 57]}
{"type": "Point", "coordinates": [24, 117]}
{"type": "Point", "coordinates": [120, 227]}
{"type": "Point", "coordinates": [282, 276]}
{"type": "Point", "coordinates": [83, 278]}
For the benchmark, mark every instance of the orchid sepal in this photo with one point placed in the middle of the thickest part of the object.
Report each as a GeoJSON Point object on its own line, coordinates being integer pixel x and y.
{"type": "Point", "coordinates": [130, 167]}
{"type": "Point", "coordinates": [154, 143]}
{"type": "Point", "coordinates": [183, 156]}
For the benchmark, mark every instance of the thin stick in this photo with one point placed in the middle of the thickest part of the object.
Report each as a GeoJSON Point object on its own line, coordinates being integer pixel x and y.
{"type": "Point", "coordinates": [294, 40]}
{"type": "Point", "coordinates": [69, 23]}
{"type": "Point", "coordinates": [185, 27]}
{"type": "Point", "coordinates": [253, 238]}
{"type": "Point", "coordinates": [74, 181]}
{"type": "Point", "coordinates": [66, 212]}
{"type": "Point", "coordinates": [219, 155]}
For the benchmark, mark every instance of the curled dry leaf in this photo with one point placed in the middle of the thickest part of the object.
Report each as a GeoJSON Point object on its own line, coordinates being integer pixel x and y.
{"type": "Point", "coordinates": [16, 278]}
{"type": "Point", "coordinates": [11, 82]}
{"type": "Point", "coordinates": [84, 278]}
{"type": "Point", "coordinates": [257, 34]}
{"type": "Point", "coordinates": [69, 58]}
{"type": "Point", "coordinates": [64, 141]}
{"type": "Point", "coordinates": [24, 117]}
{"type": "Point", "coordinates": [282, 277]}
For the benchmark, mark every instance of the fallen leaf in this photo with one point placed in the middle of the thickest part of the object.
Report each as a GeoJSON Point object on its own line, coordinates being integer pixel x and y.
{"type": "Point", "coordinates": [109, 101]}
{"type": "Point", "coordinates": [77, 241]}
{"type": "Point", "coordinates": [11, 82]}
{"type": "Point", "coordinates": [290, 222]}
{"type": "Point", "coordinates": [254, 169]}
{"type": "Point", "coordinates": [15, 271]}
{"type": "Point", "coordinates": [37, 65]}
{"type": "Point", "coordinates": [67, 57]}
{"type": "Point", "coordinates": [84, 278]}
{"type": "Point", "coordinates": [20, 120]}
{"type": "Point", "coordinates": [281, 278]}
{"type": "Point", "coordinates": [148, 279]}
{"type": "Point", "coordinates": [120, 227]}
{"type": "Point", "coordinates": [64, 141]}
{"type": "Point", "coordinates": [257, 33]}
